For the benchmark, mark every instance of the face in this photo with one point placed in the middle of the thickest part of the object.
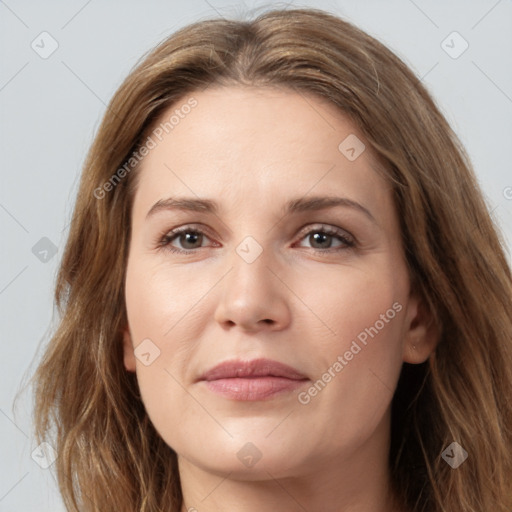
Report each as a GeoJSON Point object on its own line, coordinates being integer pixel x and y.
{"type": "Point", "coordinates": [267, 272]}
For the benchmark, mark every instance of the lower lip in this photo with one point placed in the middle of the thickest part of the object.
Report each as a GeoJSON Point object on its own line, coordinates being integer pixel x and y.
{"type": "Point", "coordinates": [253, 388]}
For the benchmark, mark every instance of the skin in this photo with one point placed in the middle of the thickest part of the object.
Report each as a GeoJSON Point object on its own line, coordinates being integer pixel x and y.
{"type": "Point", "coordinates": [251, 150]}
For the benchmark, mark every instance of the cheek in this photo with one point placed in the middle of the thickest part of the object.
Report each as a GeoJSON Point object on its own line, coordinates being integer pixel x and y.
{"type": "Point", "coordinates": [159, 298]}
{"type": "Point", "coordinates": [344, 302]}
{"type": "Point", "coordinates": [165, 325]}
{"type": "Point", "coordinates": [358, 366]}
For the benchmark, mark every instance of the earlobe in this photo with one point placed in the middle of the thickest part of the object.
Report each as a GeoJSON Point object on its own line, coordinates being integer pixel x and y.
{"type": "Point", "coordinates": [421, 333]}
{"type": "Point", "coordinates": [128, 351]}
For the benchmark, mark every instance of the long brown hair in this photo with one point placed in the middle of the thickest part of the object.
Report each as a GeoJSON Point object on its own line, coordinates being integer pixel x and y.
{"type": "Point", "coordinates": [89, 407]}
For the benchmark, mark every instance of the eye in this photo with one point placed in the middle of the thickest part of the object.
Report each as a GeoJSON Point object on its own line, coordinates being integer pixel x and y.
{"type": "Point", "coordinates": [321, 239]}
{"type": "Point", "coordinates": [188, 237]}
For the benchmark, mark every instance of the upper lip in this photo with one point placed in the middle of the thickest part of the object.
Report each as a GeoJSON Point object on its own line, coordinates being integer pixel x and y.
{"type": "Point", "coordinates": [253, 368]}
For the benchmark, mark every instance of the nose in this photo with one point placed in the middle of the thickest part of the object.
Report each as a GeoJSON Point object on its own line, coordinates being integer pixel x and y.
{"type": "Point", "coordinates": [254, 296]}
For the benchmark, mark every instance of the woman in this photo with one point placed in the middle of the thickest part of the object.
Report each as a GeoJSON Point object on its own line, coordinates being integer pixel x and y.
{"type": "Point", "coordinates": [258, 370]}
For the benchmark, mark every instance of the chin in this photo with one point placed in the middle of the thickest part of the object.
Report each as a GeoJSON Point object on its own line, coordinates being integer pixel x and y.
{"type": "Point", "coordinates": [250, 457]}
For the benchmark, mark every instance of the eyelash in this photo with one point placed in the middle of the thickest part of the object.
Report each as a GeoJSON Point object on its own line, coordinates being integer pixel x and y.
{"type": "Point", "coordinates": [164, 242]}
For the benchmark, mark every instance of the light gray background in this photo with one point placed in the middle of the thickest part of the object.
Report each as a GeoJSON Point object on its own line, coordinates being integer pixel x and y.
{"type": "Point", "coordinates": [50, 109]}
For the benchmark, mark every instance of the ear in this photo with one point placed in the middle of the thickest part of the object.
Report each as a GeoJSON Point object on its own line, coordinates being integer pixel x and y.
{"type": "Point", "coordinates": [128, 350]}
{"type": "Point", "coordinates": [421, 333]}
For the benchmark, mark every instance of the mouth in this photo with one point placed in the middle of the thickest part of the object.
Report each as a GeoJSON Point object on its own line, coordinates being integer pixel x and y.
{"type": "Point", "coordinates": [259, 379]}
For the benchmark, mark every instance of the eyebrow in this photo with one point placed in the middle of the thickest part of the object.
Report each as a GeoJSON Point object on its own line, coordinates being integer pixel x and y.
{"type": "Point", "coordinates": [302, 204]}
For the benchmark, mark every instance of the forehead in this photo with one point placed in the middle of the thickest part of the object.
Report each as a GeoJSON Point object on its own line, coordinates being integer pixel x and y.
{"type": "Point", "coordinates": [244, 142]}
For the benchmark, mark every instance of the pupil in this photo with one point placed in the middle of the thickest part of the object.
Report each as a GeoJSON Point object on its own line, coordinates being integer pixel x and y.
{"type": "Point", "coordinates": [318, 236]}
{"type": "Point", "coordinates": [187, 238]}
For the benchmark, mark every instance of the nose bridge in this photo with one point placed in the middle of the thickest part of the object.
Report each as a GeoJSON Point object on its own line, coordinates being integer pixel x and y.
{"type": "Point", "coordinates": [251, 276]}
{"type": "Point", "coordinates": [251, 293]}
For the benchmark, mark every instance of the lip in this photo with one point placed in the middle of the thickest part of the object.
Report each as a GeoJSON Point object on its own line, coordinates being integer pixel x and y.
{"type": "Point", "coordinates": [258, 379]}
